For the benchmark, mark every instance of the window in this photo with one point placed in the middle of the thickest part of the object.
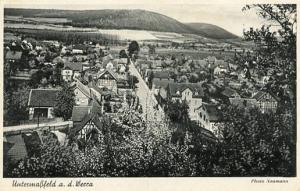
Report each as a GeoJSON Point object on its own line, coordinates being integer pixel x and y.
{"type": "Point", "coordinates": [201, 115]}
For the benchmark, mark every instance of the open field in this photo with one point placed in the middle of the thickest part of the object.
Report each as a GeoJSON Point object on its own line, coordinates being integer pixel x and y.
{"type": "Point", "coordinates": [123, 34]}
{"type": "Point", "coordinates": [194, 54]}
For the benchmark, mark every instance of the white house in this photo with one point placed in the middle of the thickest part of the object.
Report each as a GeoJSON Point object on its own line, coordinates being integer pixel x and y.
{"type": "Point", "coordinates": [210, 118]}
{"type": "Point", "coordinates": [71, 71]}
{"type": "Point", "coordinates": [192, 93]}
{"type": "Point", "coordinates": [82, 93]}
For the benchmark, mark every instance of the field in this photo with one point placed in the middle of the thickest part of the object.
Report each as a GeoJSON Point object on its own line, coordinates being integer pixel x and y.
{"type": "Point", "coordinates": [195, 54]}
{"type": "Point", "coordinates": [123, 34]}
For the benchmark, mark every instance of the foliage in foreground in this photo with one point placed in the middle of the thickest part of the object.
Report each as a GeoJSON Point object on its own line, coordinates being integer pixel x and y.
{"type": "Point", "coordinates": [254, 145]}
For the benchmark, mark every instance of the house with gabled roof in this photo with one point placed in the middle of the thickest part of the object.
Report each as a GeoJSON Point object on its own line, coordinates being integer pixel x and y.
{"type": "Point", "coordinates": [107, 79]}
{"type": "Point", "coordinates": [210, 117]}
{"type": "Point", "coordinates": [86, 123]}
{"type": "Point", "coordinates": [41, 103]}
{"type": "Point", "coordinates": [82, 93]}
{"type": "Point", "coordinates": [221, 67]}
{"type": "Point", "coordinates": [71, 70]}
{"type": "Point", "coordinates": [266, 101]}
{"type": "Point", "coordinates": [192, 93]}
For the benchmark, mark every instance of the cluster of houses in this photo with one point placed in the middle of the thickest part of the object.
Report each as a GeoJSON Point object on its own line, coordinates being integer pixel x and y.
{"type": "Point", "coordinates": [94, 73]}
{"type": "Point", "coordinates": [225, 83]}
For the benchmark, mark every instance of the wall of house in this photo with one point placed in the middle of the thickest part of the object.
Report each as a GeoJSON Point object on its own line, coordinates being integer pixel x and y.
{"type": "Point", "coordinates": [80, 98]}
{"type": "Point", "coordinates": [108, 83]}
{"type": "Point", "coordinates": [49, 113]}
{"type": "Point", "coordinates": [204, 120]}
{"type": "Point", "coordinates": [67, 75]}
{"type": "Point", "coordinates": [194, 105]}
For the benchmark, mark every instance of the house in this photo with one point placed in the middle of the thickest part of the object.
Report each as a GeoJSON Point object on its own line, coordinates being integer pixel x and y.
{"type": "Point", "coordinates": [233, 67]}
{"type": "Point", "coordinates": [79, 112]}
{"type": "Point", "coordinates": [41, 103]}
{"type": "Point", "coordinates": [266, 101]}
{"type": "Point", "coordinates": [192, 93]}
{"type": "Point", "coordinates": [210, 117]}
{"type": "Point", "coordinates": [107, 79]}
{"type": "Point", "coordinates": [229, 93]}
{"type": "Point", "coordinates": [82, 93]}
{"type": "Point", "coordinates": [157, 64]}
{"type": "Point", "coordinates": [87, 123]}
{"type": "Point", "coordinates": [79, 49]}
{"type": "Point", "coordinates": [220, 68]}
{"type": "Point", "coordinates": [71, 71]}
{"type": "Point", "coordinates": [243, 102]}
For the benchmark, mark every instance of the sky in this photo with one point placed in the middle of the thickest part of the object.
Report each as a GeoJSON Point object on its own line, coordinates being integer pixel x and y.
{"type": "Point", "coordinates": [228, 16]}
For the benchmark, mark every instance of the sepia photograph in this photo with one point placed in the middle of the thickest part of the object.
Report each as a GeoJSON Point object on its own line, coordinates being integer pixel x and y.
{"type": "Point", "coordinates": [139, 90]}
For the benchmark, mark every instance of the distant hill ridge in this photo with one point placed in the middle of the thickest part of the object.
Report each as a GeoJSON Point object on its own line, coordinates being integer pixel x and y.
{"type": "Point", "coordinates": [126, 19]}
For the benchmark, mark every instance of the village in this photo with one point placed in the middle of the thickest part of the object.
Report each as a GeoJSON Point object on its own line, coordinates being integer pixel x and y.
{"type": "Point", "coordinates": [108, 81]}
{"type": "Point", "coordinates": [143, 93]}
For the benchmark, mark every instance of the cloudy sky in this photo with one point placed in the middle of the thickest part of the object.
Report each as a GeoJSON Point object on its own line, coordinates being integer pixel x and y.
{"type": "Point", "coordinates": [228, 16]}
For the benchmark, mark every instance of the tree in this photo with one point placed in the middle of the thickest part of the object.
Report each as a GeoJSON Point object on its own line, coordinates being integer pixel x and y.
{"type": "Point", "coordinates": [123, 54]}
{"type": "Point", "coordinates": [64, 102]}
{"type": "Point", "coordinates": [276, 47]}
{"type": "Point", "coordinates": [151, 49]}
{"type": "Point", "coordinates": [126, 146]}
{"type": "Point", "coordinates": [132, 80]}
{"type": "Point", "coordinates": [255, 144]}
{"type": "Point", "coordinates": [194, 78]}
{"type": "Point", "coordinates": [150, 79]}
{"type": "Point", "coordinates": [133, 48]}
{"type": "Point", "coordinates": [178, 111]}
{"type": "Point", "coordinates": [16, 105]}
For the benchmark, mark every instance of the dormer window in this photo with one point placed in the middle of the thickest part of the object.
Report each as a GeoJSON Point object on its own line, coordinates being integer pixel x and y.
{"type": "Point", "coordinates": [178, 93]}
{"type": "Point", "coordinates": [196, 93]}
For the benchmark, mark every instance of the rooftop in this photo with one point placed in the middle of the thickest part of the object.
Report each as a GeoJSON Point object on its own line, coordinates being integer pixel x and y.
{"type": "Point", "coordinates": [42, 97]}
{"type": "Point", "coordinates": [196, 88]}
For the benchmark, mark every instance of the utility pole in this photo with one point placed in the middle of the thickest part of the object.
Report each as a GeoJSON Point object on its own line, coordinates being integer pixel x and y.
{"type": "Point", "coordinates": [38, 122]}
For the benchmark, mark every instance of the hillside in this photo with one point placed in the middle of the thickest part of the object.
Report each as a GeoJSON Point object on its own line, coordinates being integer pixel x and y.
{"type": "Point", "coordinates": [211, 31]}
{"type": "Point", "coordinates": [125, 19]}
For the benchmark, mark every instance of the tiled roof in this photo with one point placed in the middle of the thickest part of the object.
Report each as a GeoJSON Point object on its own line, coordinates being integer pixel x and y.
{"type": "Point", "coordinates": [161, 83]}
{"type": "Point", "coordinates": [83, 88]}
{"type": "Point", "coordinates": [109, 72]}
{"type": "Point", "coordinates": [42, 97]}
{"type": "Point", "coordinates": [77, 66]}
{"type": "Point", "coordinates": [79, 112]}
{"type": "Point", "coordinates": [243, 102]}
{"type": "Point", "coordinates": [17, 149]}
{"type": "Point", "coordinates": [161, 74]}
{"type": "Point", "coordinates": [79, 47]}
{"type": "Point", "coordinates": [194, 87]}
{"type": "Point", "coordinates": [13, 55]}
{"type": "Point", "coordinates": [259, 95]}
{"type": "Point", "coordinates": [94, 117]}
